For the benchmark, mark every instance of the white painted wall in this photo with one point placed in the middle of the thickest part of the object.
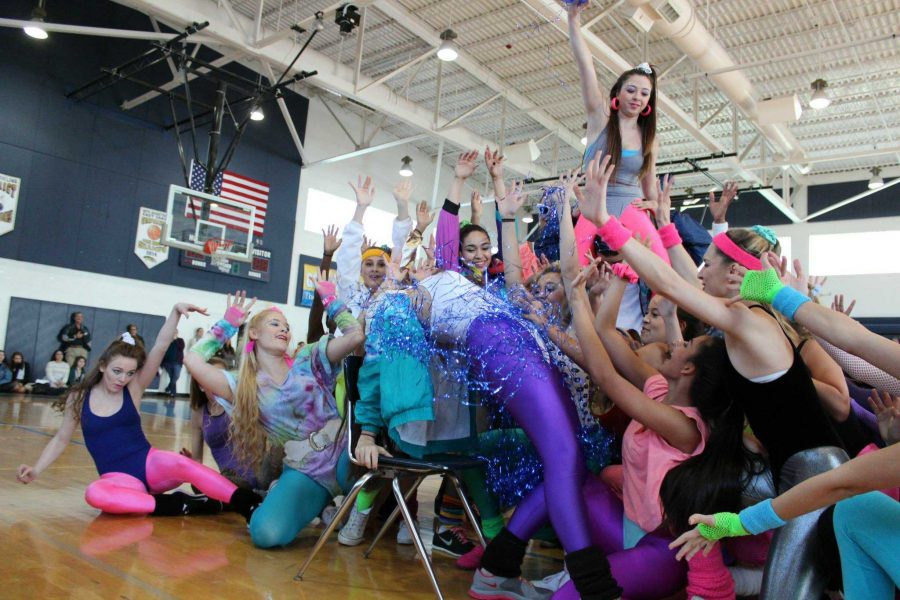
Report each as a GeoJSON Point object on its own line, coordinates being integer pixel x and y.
{"type": "Point", "coordinates": [876, 295]}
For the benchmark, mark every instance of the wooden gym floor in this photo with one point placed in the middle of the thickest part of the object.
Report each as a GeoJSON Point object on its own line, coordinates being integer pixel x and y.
{"type": "Point", "coordinates": [56, 546]}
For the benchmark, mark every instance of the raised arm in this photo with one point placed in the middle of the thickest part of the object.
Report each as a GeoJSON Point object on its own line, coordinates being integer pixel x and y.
{"type": "Point", "coordinates": [670, 423]}
{"type": "Point", "coordinates": [315, 328]}
{"type": "Point", "coordinates": [349, 255]}
{"type": "Point", "coordinates": [624, 359]}
{"type": "Point", "coordinates": [594, 103]}
{"type": "Point", "coordinates": [508, 205]}
{"type": "Point", "coordinates": [55, 447]}
{"type": "Point", "coordinates": [210, 377]}
{"type": "Point", "coordinates": [403, 223]}
{"type": "Point", "coordinates": [165, 336]}
{"type": "Point", "coordinates": [782, 288]}
{"type": "Point", "coordinates": [447, 236]}
{"type": "Point", "coordinates": [340, 347]}
{"type": "Point", "coordinates": [681, 260]}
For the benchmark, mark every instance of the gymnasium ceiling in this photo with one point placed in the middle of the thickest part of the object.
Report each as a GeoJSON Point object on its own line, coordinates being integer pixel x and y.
{"type": "Point", "coordinates": [516, 69]}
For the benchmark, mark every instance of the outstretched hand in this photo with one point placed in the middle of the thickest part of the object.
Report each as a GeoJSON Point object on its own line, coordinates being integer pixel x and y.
{"type": "Point", "coordinates": [513, 201]}
{"type": "Point", "coordinates": [238, 308]}
{"type": "Point", "coordinates": [185, 309]}
{"type": "Point", "coordinates": [424, 216]}
{"type": "Point", "coordinates": [597, 175]}
{"type": "Point", "coordinates": [494, 162]}
{"type": "Point", "coordinates": [838, 305]}
{"type": "Point", "coordinates": [332, 241]}
{"type": "Point", "coordinates": [691, 542]}
{"type": "Point", "coordinates": [364, 190]}
{"type": "Point", "coordinates": [718, 207]}
{"type": "Point", "coordinates": [465, 164]}
{"type": "Point", "coordinates": [403, 190]}
{"type": "Point", "coordinates": [887, 412]}
{"type": "Point", "coordinates": [25, 474]}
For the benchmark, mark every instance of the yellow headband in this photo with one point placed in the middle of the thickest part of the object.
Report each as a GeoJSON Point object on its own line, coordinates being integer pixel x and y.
{"type": "Point", "coordinates": [374, 253]}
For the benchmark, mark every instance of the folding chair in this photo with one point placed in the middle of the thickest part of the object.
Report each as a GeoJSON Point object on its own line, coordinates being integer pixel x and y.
{"type": "Point", "coordinates": [390, 468]}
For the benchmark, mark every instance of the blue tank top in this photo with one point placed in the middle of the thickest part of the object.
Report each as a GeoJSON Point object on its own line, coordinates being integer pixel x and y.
{"type": "Point", "coordinates": [628, 166]}
{"type": "Point", "coordinates": [116, 443]}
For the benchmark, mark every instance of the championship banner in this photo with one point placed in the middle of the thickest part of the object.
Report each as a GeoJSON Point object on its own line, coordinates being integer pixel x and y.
{"type": "Point", "coordinates": [9, 200]}
{"type": "Point", "coordinates": [147, 243]}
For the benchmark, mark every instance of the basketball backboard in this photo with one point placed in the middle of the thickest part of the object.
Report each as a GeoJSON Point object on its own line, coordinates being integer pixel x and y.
{"type": "Point", "coordinates": [194, 218]}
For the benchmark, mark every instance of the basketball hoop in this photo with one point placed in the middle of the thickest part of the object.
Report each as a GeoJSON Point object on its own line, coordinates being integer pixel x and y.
{"type": "Point", "coordinates": [216, 250]}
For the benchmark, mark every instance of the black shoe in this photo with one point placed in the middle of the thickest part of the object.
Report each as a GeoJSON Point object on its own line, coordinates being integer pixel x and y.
{"type": "Point", "coordinates": [202, 505]}
{"type": "Point", "coordinates": [452, 542]}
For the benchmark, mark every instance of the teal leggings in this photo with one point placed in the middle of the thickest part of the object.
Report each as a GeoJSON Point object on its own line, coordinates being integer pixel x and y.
{"type": "Point", "coordinates": [868, 534]}
{"type": "Point", "coordinates": [291, 505]}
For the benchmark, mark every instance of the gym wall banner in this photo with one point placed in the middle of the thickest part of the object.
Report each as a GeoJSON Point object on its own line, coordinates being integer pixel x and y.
{"type": "Point", "coordinates": [9, 200]}
{"type": "Point", "coordinates": [148, 244]}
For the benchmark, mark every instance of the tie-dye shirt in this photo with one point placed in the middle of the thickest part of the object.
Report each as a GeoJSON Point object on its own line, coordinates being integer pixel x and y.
{"type": "Point", "coordinates": [301, 405]}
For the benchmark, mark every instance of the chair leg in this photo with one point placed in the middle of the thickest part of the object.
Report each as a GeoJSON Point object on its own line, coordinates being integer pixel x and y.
{"type": "Point", "coordinates": [342, 510]}
{"type": "Point", "coordinates": [393, 517]}
{"type": "Point", "coordinates": [468, 507]}
{"type": "Point", "coordinates": [417, 539]}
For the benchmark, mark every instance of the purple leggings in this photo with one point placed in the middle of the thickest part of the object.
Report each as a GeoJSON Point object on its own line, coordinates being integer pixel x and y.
{"type": "Point", "coordinates": [507, 359]}
{"type": "Point", "coordinates": [647, 571]}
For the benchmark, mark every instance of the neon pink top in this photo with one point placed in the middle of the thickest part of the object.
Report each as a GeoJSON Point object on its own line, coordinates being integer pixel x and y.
{"type": "Point", "coordinates": [647, 457]}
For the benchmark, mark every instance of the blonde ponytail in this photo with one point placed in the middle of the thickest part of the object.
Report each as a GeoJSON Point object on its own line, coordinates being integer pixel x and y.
{"type": "Point", "coordinates": [247, 436]}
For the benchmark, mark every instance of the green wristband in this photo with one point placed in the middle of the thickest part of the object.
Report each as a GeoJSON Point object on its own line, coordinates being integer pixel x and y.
{"type": "Point", "coordinates": [761, 286]}
{"type": "Point", "coordinates": [727, 525]}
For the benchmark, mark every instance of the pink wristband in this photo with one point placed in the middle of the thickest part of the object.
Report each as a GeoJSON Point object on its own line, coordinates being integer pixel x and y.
{"type": "Point", "coordinates": [669, 236]}
{"type": "Point", "coordinates": [327, 290]}
{"type": "Point", "coordinates": [234, 316]}
{"type": "Point", "coordinates": [623, 271]}
{"type": "Point", "coordinates": [614, 234]}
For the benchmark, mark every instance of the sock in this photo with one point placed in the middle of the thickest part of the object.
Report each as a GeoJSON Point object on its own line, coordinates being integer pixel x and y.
{"type": "Point", "coordinates": [366, 498]}
{"type": "Point", "coordinates": [504, 555]}
{"type": "Point", "coordinates": [451, 514]}
{"type": "Point", "coordinates": [591, 574]}
{"type": "Point", "coordinates": [244, 502]}
{"type": "Point", "coordinates": [492, 527]}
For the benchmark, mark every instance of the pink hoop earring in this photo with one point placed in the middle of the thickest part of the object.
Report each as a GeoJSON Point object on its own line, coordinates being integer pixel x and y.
{"type": "Point", "coordinates": [646, 112]}
{"type": "Point", "coordinates": [614, 104]}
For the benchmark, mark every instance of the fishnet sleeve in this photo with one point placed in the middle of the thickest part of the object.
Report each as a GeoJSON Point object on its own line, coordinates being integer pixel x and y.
{"type": "Point", "coordinates": [861, 370]}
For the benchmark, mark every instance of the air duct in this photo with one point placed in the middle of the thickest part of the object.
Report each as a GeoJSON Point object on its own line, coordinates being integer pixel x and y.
{"type": "Point", "coordinates": [678, 21]}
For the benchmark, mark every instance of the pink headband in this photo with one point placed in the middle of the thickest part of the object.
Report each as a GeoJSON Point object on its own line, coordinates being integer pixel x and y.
{"type": "Point", "coordinates": [736, 253]}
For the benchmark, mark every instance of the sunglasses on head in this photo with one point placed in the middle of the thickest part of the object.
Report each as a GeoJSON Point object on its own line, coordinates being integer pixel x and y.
{"type": "Point", "coordinates": [601, 248]}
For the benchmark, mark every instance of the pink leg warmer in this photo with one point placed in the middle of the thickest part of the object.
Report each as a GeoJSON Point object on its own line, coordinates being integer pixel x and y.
{"type": "Point", "coordinates": [119, 494]}
{"type": "Point", "coordinates": [708, 577]}
{"type": "Point", "coordinates": [168, 470]}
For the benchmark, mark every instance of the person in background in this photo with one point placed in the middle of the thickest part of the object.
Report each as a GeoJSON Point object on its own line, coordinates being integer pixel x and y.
{"type": "Point", "coordinates": [75, 338]}
{"type": "Point", "coordinates": [5, 373]}
{"type": "Point", "coordinates": [171, 364]}
{"type": "Point", "coordinates": [228, 354]}
{"type": "Point", "coordinates": [76, 373]}
{"type": "Point", "coordinates": [133, 330]}
{"type": "Point", "coordinates": [21, 374]}
{"type": "Point", "coordinates": [198, 335]}
{"type": "Point", "coordinates": [57, 372]}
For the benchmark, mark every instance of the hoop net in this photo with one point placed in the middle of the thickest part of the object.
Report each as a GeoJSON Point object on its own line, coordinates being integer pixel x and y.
{"type": "Point", "coordinates": [216, 250]}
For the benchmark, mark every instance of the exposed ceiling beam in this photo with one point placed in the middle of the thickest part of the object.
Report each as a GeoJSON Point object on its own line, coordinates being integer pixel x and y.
{"type": "Point", "coordinates": [331, 76]}
{"type": "Point", "coordinates": [851, 200]}
{"type": "Point", "coordinates": [418, 27]}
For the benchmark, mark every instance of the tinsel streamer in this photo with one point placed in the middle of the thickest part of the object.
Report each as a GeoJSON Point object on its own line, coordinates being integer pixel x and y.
{"type": "Point", "coordinates": [547, 243]}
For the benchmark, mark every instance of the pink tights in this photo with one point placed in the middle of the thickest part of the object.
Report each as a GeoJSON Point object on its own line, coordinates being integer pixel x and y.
{"type": "Point", "coordinates": [120, 493]}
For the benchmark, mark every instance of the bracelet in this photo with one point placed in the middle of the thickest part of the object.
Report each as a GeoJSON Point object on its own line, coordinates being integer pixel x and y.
{"type": "Point", "coordinates": [508, 219]}
{"type": "Point", "coordinates": [369, 434]}
{"type": "Point", "coordinates": [324, 254]}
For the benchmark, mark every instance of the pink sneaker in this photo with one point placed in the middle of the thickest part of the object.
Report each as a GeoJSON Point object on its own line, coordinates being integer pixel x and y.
{"type": "Point", "coordinates": [471, 560]}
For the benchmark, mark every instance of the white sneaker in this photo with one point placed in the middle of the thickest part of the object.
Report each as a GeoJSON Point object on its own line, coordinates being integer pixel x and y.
{"type": "Point", "coordinates": [327, 515]}
{"type": "Point", "coordinates": [404, 537]}
{"type": "Point", "coordinates": [353, 532]}
{"type": "Point", "coordinates": [552, 582]}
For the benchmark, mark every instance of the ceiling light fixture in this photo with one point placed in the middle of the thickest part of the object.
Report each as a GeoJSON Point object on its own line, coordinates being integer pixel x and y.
{"type": "Point", "coordinates": [257, 114]}
{"type": "Point", "coordinates": [406, 167]}
{"type": "Point", "coordinates": [584, 141]}
{"type": "Point", "coordinates": [876, 181]}
{"type": "Point", "coordinates": [819, 98]}
{"type": "Point", "coordinates": [528, 219]}
{"type": "Point", "coordinates": [447, 51]}
{"type": "Point", "coordinates": [37, 16]}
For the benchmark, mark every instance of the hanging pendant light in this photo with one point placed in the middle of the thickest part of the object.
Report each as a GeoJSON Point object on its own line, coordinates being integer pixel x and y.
{"type": "Point", "coordinates": [819, 98]}
{"type": "Point", "coordinates": [37, 17]}
{"type": "Point", "coordinates": [406, 167]}
{"type": "Point", "coordinates": [876, 181]}
{"type": "Point", "coordinates": [447, 52]}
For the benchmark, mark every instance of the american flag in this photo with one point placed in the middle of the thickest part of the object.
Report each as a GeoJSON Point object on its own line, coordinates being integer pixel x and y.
{"type": "Point", "coordinates": [238, 188]}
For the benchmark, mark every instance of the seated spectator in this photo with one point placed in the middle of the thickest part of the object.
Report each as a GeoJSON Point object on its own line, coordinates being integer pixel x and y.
{"type": "Point", "coordinates": [5, 373]}
{"type": "Point", "coordinates": [21, 374]}
{"type": "Point", "coordinates": [75, 338]}
{"type": "Point", "coordinates": [133, 330]}
{"type": "Point", "coordinates": [171, 364]}
{"type": "Point", "coordinates": [56, 374]}
{"type": "Point", "coordinates": [76, 373]}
